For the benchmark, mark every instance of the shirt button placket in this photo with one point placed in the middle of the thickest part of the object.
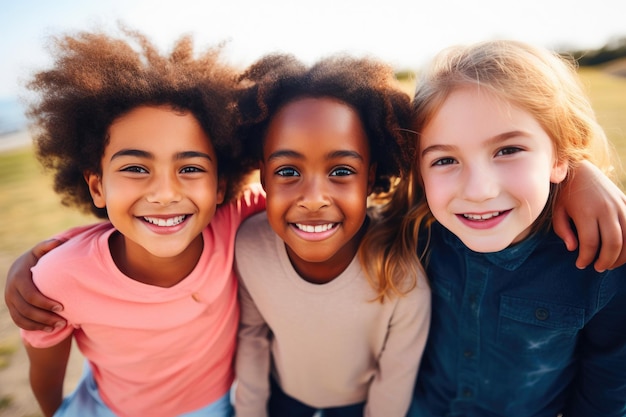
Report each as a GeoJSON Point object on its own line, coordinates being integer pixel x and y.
{"type": "Point", "coordinates": [469, 348]}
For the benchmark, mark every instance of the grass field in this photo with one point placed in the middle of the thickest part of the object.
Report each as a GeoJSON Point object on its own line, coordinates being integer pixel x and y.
{"type": "Point", "coordinates": [608, 96]}
{"type": "Point", "coordinates": [31, 210]}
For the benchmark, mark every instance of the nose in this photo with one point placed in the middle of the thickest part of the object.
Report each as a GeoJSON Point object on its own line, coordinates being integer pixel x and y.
{"type": "Point", "coordinates": [315, 194]}
{"type": "Point", "coordinates": [164, 189]}
{"type": "Point", "coordinates": [479, 183]}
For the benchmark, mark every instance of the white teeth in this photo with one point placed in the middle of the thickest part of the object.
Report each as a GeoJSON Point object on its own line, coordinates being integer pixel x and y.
{"type": "Point", "coordinates": [315, 229]}
{"type": "Point", "coordinates": [172, 221]}
{"type": "Point", "coordinates": [481, 216]}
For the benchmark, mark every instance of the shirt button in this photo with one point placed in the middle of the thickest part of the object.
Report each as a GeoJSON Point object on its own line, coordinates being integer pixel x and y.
{"type": "Point", "coordinates": [468, 354]}
{"type": "Point", "coordinates": [542, 314]}
{"type": "Point", "coordinates": [467, 393]}
{"type": "Point", "coordinates": [196, 297]}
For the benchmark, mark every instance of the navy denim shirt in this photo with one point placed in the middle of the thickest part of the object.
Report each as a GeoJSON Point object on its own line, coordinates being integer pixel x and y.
{"type": "Point", "coordinates": [522, 332]}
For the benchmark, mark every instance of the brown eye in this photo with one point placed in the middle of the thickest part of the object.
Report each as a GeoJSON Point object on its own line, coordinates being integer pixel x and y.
{"type": "Point", "coordinates": [341, 172]}
{"type": "Point", "coordinates": [444, 161]}
{"type": "Point", "coordinates": [191, 170]}
{"type": "Point", "coordinates": [287, 172]}
{"type": "Point", "coordinates": [134, 168]}
{"type": "Point", "coordinates": [508, 151]}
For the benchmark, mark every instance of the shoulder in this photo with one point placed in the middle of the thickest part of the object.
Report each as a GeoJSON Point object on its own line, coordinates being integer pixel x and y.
{"type": "Point", "coordinates": [83, 244]}
{"type": "Point", "coordinates": [251, 201]}
{"type": "Point", "coordinates": [62, 270]}
{"type": "Point", "coordinates": [255, 226]}
{"type": "Point", "coordinates": [416, 297]}
{"type": "Point", "coordinates": [256, 247]}
{"type": "Point", "coordinates": [550, 248]}
{"type": "Point", "coordinates": [255, 235]}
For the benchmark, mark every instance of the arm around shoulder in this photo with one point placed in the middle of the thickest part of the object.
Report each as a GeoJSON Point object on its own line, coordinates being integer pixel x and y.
{"type": "Point", "coordinates": [597, 206]}
{"type": "Point", "coordinates": [28, 307]}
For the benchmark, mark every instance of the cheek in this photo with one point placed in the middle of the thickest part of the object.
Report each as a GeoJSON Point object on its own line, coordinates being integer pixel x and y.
{"type": "Point", "coordinates": [357, 207]}
{"type": "Point", "coordinates": [535, 192]}
{"type": "Point", "coordinates": [278, 200]}
{"type": "Point", "coordinates": [437, 191]}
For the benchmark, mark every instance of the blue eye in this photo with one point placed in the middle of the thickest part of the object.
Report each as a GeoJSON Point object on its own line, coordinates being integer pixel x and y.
{"type": "Point", "coordinates": [287, 172]}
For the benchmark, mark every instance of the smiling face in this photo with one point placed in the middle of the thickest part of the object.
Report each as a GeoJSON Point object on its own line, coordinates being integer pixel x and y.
{"type": "Point", "coordinates": [487, 168]}
{"type": "Point", "coordinates": [159, 185]}
{"type": "Point", "coordinates": [317, 174]}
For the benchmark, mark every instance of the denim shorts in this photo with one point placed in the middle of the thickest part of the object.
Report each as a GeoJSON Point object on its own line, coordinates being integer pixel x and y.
{"type": "Point", "coordinates": [86, 401]}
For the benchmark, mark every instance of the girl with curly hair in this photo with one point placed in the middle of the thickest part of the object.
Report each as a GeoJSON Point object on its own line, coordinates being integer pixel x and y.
{"type": "Point", "coordinates": [146, 141]}
{"type": "Point", "coordinates": [314, 334]}
{"type": "Point", "coordinates": [328, 137]}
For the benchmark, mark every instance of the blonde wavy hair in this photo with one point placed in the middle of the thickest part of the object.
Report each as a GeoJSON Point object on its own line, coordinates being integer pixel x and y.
{"type": "Point", "coordinates": [541, 82]}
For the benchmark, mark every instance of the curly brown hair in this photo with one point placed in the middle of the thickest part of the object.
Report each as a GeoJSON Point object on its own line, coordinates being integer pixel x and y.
{"type": "Point", "coordinates": [97, 77]}
{"type": "Point", "coordinates": [365, 84]}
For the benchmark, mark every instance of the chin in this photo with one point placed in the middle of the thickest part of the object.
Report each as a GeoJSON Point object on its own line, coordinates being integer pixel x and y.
{"type": "Point", "coordinates": [485, 246]}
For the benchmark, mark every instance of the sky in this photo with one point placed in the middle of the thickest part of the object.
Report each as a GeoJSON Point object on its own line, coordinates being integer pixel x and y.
{"type": "Point", "coordinates": [405, 33]}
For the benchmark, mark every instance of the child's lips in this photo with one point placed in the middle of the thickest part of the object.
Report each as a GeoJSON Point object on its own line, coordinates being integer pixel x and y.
{"type": "Point", "coordinates": [482, 216]}
{"type": "Point", "coordinates": [315, 232]}
{"type": "Point", "coordinates": [165, 221]}
{"type": "Point", "coordinates": [485, 220]}
{"type": "Point", "coordinates": [315, 228]}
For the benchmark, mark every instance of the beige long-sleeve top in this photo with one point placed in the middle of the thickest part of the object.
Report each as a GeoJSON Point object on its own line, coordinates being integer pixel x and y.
{"type": "Point", "coordinates": [326, 345]}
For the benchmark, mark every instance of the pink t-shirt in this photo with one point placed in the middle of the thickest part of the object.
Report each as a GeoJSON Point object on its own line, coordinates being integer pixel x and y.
{"type": "Point", "coordinates": [154, 351]}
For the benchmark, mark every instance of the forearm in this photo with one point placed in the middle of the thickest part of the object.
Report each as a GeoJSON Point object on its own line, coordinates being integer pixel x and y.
{"type": "Point", "coordinates": [48, 392]}
{"type": "Point", "coordinates": [252, 370]}
{"type": "Point", "coordinates": [597, 207]}
{"type": "Point", "coordinates": [47, 373]}
{"type": "Point", "coordinates": [252, 364]}
{"type": "Point", "coordinates": [391, 390]}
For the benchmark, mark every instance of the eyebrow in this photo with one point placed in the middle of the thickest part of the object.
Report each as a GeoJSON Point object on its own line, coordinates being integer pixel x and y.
{"type": "Point", "coordinates": [492, 141]}
{"type": "Point", "coordinates": [298, 155]}
{"type": "Point", "coordinates": [147, 155]}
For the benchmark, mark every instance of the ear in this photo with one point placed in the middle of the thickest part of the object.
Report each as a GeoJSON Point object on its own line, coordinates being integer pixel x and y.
{"type": "Point", "coordinates": [371, 178]}
{"type": "Point", "coordinates": [262, 174]}
{"type": "Point", "coordinates": [221, 190]}
{"type": "Point", "coordinates": [94, 182]}
{"type": "Point", "coordinates": [559, 171]}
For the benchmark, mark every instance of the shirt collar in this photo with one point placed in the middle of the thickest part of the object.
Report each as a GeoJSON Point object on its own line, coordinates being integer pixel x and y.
{"type": "Point", "coordinates": [509, 258]}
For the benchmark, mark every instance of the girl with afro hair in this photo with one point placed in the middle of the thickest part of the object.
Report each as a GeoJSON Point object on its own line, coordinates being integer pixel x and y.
{"type": "Point", "coordinates": [318, 329]}
{"type": "Point", "coordinates": [144, 140]}
{"type": "Point", "coordinates": [314, 333]}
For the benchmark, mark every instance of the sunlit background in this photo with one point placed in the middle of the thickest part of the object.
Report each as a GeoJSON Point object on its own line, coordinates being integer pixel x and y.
{"type": "Point", "coordinates": [403, 32]}
{"type": "Point", "coordinates": [406, 33]}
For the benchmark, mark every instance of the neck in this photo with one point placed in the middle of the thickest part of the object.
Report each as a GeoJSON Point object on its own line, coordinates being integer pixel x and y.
{"type": "Point", "coordinates": [139, 265]}
{"type": "Point", "coordinates": [326, 271]}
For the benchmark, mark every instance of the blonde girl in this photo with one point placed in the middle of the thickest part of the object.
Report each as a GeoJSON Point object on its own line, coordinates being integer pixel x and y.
{"type": "Point", "coordinates": [517, 329]}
